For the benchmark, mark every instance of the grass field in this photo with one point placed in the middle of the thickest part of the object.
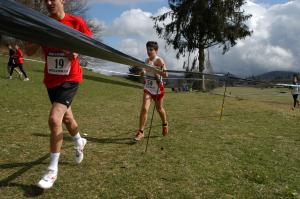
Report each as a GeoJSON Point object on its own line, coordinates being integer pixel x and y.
{"type": "Point", "coordinates": [252, 153]}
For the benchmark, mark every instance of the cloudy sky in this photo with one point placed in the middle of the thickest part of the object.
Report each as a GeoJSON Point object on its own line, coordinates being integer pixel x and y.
{"type": "Point", "coordinates": [274, 44]}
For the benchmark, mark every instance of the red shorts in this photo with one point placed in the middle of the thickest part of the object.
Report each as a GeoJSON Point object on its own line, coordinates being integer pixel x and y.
{"type": "Point", "coordinates": [155, 97]}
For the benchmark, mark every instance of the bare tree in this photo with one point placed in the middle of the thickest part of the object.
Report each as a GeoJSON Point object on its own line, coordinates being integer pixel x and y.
{"type": "Point", "coordinates": [78, 7]}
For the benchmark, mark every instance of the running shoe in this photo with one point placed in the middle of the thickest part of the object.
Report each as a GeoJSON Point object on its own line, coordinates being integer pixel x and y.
{"type": "Point", "coordinates": [139, 136]}
{"type": "Point", "coordinates": [48, 179]}
{"type": "Point", "coordinates": [165, 129]}
{"type": "Point", "coordinates": [79, 151]}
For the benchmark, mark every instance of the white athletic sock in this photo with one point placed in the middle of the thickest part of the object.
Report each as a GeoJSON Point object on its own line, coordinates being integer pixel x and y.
{"type": "Point", "coordinates": [77, 139]}
{"type": "Point", "coordinates": [54, 161]}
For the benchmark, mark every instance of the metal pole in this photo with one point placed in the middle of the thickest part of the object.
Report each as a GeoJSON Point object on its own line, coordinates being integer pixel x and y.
{"type": "Point", "coordinates": [224, 96]}
{"type": "Point", "coordinates": [152, 119]}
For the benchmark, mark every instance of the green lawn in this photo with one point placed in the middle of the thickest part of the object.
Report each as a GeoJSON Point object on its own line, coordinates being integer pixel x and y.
{"type": "Point", "coordinates": [252, 153]}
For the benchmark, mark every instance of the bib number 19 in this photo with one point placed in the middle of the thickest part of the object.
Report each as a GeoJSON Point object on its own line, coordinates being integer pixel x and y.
{"type": "Point", "coordinates": [59, 63]}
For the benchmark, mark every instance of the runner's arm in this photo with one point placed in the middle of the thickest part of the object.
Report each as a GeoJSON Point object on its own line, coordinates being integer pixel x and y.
{"type": "Point", "coordinates": [70, 55]}
{"type": "Point", "coordinates": [163, 73]}
{"type": "Point", "coordinates": [83, 28]}
{"type": "Point", "coordinates": [142, 72]}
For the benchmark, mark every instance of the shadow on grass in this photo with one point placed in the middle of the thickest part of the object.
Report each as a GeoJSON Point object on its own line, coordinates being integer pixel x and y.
{"type": "Point", "coordinates": [110, 81]}
{"type": "Point", "coordinates": [211, 116]}
{"type": "Point", "coordinates": [134, 131]}
{"type": "Point", "coordinates": [24, 164]}
{"type": "Point", "coordinates": [128, 141]}
{"type": "Point", "coordinates": [30, 190]}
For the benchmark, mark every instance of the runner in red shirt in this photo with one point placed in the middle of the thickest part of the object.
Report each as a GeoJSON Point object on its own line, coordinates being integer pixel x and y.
{"type": "Point", "coordinates": [60, 66]}
{"type": "Point", "coordinates": [18, 62]}
{"type": "Point", "coordinates": [62, 75]}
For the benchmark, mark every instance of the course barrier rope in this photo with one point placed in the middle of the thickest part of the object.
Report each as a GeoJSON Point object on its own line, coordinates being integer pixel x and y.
{"type": "Point", "coordinates": [27, 59]}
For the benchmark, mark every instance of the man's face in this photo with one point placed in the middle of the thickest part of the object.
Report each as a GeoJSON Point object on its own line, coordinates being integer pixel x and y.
{"type": "Point", "coordinates": [54, 6]}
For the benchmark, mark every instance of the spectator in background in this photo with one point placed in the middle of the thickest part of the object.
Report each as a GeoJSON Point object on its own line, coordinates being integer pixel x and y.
{"type": "Point", "coordinates": [10, 63]}
{"type": "Point", "coordinates": [18, 62]}
{"type": "Point", "coordinates": [295, 91]}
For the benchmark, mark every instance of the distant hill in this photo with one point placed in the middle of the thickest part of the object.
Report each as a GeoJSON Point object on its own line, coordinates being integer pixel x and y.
{"type": "Point", "coordinates": [276, 76]}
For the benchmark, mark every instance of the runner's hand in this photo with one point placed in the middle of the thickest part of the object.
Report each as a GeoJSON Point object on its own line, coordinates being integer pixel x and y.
{"type": "Point", "coordinates": [157, 76]}
{"type": "Point", "coordinates": [70, 55]}
{"type": "Point", "coordinates": [143, 72]}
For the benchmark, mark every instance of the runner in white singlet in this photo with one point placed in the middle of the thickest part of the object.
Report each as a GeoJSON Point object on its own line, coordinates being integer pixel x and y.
{"type": "Point", "coordinates": [153, 90]}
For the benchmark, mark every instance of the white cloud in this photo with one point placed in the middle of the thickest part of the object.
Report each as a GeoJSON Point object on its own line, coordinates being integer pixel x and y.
{"type": "Point", "coordinates": [135, 27]}
{"type": "Point", "coordinates": [274, 44]}
{"type": "Point", "coordinates": [133, 23]}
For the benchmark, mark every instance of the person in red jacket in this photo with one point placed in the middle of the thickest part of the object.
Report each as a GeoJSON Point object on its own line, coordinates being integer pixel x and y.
{"type": "Point", "coordinates": [11, 62]}
{"type": "Point", "coordinates": [19, 61]}
{"type": "Point", "coordinates": [62, 76]}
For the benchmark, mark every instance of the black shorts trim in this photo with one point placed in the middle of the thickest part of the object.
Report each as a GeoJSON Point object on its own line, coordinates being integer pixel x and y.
{"type": "Point", "coordinates": [63, 94]}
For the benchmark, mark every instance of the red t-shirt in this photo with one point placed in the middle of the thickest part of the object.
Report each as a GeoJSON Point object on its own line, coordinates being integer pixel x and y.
{"type": "Point", "coordinates": [58, 68]}
{"type": "Point", "coordinates": [19, 57]}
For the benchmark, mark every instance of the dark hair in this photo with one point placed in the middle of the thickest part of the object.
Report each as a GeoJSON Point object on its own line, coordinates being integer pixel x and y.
{"type": "Point", "coordinates": [152, 44]}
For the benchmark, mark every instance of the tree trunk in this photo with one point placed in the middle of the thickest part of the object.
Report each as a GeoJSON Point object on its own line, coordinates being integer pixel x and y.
{"type": "Point", "coordinates": [201, 59]}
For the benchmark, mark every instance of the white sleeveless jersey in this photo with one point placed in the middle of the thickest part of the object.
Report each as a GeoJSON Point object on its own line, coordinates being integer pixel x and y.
{"type": "Point", "coordinates": [152, 84]}
{"type": "Point", "coordinates": [295, 90]}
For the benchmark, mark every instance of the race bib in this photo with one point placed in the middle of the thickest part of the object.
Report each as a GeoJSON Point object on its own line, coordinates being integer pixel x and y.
{"type": "Point", "coordinates": [152, 86]}
{"type": "Point", "coordinates": [58, 63]}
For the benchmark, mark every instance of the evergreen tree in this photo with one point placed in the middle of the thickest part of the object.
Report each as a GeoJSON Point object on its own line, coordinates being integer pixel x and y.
{"type": "Point", "coordinates": [191, 26]}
